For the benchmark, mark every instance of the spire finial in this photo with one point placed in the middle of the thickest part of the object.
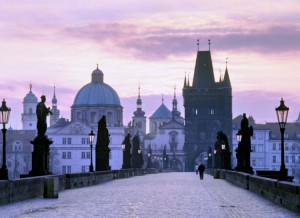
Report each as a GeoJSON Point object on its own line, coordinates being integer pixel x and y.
{"type": "Point", "coordinates": [220, 75]}
{"type": "Point", "coordinates": [209, 44]}
{"type": "Point", "coordinates": [174, 91]}
{"type": "Point", "coordinates": [30, 86]}
{"type": "Point", "coordinates": [226, 62]}
{"type": "Point", "coordinates": [139, 96]}
{"type": "Point", "coordinates": [162, 98]}
{"type": "Point", "coordinates": [97, 66]}
{"type": "Point", "coordinates": [198, 44]}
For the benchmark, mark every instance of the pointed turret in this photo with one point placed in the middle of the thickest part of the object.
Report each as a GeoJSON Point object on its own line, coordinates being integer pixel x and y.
{"type": "Point", "coordinates": [226, 80]}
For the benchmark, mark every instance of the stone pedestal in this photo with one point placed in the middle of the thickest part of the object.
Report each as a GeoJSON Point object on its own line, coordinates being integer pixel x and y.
{"type": "Point", "coordinates": [40, 156]}
{"type": "Point", "coordinates": [102, 160]}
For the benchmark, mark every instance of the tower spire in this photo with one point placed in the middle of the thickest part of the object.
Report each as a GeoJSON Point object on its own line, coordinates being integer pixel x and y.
{"type": "Point", "coordinates": [209, 44]}
{"type": "Point", "coordinates": [198, 44]}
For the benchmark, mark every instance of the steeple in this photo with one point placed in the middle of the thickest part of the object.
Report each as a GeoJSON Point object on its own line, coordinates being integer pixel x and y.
{"type": "Point", "coordinates": [139, 119]}
{"type": "Point", "coordinates": [203, 74]}
{"type": "Point", "coordinates": [139, 111]}
{"type": "Point", "coordinates": [55, 112]}
{"type": "Point", "coordinates": [54, 99]}
{"type": "Point", "coordinates": [175, 112]}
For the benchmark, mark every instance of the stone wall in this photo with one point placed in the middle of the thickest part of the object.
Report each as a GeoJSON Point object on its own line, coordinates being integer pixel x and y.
{"type": "Point", "coordinates": [286, 194]}
{"type": "Point", "coordinates": [49, 186]}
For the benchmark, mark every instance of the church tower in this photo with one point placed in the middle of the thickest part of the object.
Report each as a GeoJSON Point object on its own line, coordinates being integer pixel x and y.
{"type": "Point", "coordinates": [29, 118]}
{"type": "Point", "coordinates": [208, 108]}
{"type": "Point", "coordinates": [55, 112]}
{"type": "Point", "coordinates": [139, 119]}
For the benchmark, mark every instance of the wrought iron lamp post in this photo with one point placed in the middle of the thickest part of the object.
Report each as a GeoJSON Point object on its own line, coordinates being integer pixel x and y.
{"type": "Point", "coordinates": [223, 146]}
{"type": "Point", "coordinates": [238, 152]}
{"type": "Point", "coordinates": [123, 149]}
{"type": "Point", "coordinates": [91, 139]}
{"type": "Point", "coordinates": [282, 114]}
{"type": "Point", "coordinates": [4, 117]}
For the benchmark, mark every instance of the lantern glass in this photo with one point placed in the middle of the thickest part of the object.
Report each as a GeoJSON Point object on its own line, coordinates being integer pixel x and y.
{"type": "Point", "coordinates": [223, 146]}
{"type": "Point", "coordinates": [282, 114]}
{"type": "Point", "coordinates": [4, 113]}
{"type": "Point", "coordinates": [239, 137]}
{"type": "Point", "coordinates": [91, 137]}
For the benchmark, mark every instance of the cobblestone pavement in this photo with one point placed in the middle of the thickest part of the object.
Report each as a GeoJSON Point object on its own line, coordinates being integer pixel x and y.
{"type": "Point", "coordinates": [157, 195]}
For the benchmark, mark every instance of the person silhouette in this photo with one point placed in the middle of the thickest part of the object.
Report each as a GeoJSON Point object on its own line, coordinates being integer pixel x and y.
{"type": "Point", "coordinates": [201, 169]}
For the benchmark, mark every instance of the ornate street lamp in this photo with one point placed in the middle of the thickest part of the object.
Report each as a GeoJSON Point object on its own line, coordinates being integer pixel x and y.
{"type": "Point", "coordinates": [4, 117]}
{"type": "Point", "coordinates": [282, 114]}
{"type": "Point", "coordinates": [91, 139]}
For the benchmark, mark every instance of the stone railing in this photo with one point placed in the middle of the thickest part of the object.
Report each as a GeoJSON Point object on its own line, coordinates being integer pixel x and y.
{"type": "Point", "coordinates": [286, 194]}
{"type": "Point", "coordinates": [49, 186]}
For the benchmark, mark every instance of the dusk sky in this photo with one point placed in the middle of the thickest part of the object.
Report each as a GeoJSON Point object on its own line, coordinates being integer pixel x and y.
{"type": "Point", "coordinates": [151, 43]}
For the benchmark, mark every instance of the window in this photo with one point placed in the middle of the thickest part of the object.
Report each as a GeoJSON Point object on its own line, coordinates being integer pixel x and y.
{"type": "Point", "coordinates": [253, 162]}
{"type": "Point", "coordinates": [82, 141]}
{"type": "Point", "coordinates": [88, 155]}
{"type": "Point", "coordinates": [64, 169]}
{"type": "Point", "coordinates": [212, 111]}
{"type": "Point", "coordinates": [260, 148]}
{"type": "Point", "coordinates": [83, 155]}
{"type": "Point", "coordinates": [286, 159]}
{"type": "Point", "coordinates": [254, 136]}
{"type": "Point", "coordinates": [286, 146]}
{"type": "Point", "coordinates": [64, 141]}
{"type": "Point", "coordinates": [274, 147]}
{"type": "Point", "coordinates": [69, 155]}
{"type": "Point", "coordinates": [109, 117]}
{"type": "Point", "coordinates": [64, 155]}
{"type": "Point", "coordinates": [93, 117]}
{"type": "Point", "coordinates": [260, 136]}
{"type": "Point", "coordinates": [253, 148]}
{"type": "Point", "coordinates": [83, 169]}
{"type": "Point", "coordinates": [293, 159]}
{"type": "Point", "coordinates": [69, 169]}
{"type": "Point", "coordinates": [293, 172]}
{"type": "Point", "coordinates": [78, 115]}
{"type": "Point", "coordinates": [274, 159]}
{"type": "Point", "coordinates": [69, 141]}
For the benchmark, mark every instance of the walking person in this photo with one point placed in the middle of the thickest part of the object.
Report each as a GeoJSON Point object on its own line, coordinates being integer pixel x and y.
{"type": "Point", "coordinates": [201, 169]}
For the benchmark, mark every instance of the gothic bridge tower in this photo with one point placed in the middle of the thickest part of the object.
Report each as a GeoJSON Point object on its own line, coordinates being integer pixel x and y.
{"type": "Point", "coordinates": [208, 108]}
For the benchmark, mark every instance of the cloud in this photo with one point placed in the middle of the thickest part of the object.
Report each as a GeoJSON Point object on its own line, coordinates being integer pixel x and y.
{"type": "Point", "coordinates": [159, 43]}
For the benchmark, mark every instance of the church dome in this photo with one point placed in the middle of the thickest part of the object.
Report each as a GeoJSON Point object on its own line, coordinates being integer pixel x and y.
{"type": "Point", "coordinates": [30, 97]}
{"type": "Point", "coordinates": [96, 93]}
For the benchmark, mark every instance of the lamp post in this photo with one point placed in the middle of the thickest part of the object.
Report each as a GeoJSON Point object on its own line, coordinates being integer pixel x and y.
{"type": "Point", "coordinates": [91, 139]}
{"type": "Point", "coordinates": [223, 146]}
{"type": "Point", "coordinates": [4, 117]}
{"type": "Point", "coordinates": [123, 149]}
{"type": "Point", "coordinates": [238, 151]}
{"type": "Point", "coordinates": [282, 114]}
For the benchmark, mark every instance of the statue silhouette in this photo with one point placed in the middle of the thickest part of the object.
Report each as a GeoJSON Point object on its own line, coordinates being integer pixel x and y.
{"type": "Point", "coordinates": [42, 112]}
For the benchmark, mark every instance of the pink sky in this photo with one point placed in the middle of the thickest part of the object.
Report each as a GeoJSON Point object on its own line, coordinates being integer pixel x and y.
{"type": "Point", "coordinates": [153, 44]}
